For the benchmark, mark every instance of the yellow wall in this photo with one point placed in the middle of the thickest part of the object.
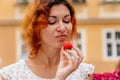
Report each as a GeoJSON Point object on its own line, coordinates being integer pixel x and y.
{"type": "Point", "coordinates": [7, 9]}
{"type": "Point", "coordinates": [8, 28]}
{"type": "Point", "coordinates": [7, 44]}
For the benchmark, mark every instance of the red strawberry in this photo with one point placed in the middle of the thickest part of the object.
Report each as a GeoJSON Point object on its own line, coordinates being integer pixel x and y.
{"type": "Point", "coordinates": [67, 45]}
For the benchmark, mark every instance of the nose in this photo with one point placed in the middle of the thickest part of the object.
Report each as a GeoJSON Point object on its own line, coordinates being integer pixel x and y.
{"type": "Point", "coordinates": [61, 27]}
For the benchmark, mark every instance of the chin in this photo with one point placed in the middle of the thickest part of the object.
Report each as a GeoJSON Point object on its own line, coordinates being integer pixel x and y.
{"type": "Point", "coordinates": [59, 44]}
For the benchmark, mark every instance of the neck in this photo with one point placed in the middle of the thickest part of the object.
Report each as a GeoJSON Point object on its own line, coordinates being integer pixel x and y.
{"type": "Point", "coordinates": [47, 58]}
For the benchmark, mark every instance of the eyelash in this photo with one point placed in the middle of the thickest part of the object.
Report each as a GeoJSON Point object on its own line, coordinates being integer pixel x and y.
{"type": "Point", "coordinates": [52, 23]}
{"type": "Point", "coordinates": [66, 21]}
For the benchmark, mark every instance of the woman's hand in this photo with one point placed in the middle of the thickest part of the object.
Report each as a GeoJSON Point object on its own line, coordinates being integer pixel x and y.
{"type": "Point", "coordinates": [69, 62]}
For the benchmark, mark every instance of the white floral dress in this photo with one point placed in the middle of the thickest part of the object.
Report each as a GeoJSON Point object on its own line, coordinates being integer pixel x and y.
{"type": "Point", "coordinates": [21, 71]}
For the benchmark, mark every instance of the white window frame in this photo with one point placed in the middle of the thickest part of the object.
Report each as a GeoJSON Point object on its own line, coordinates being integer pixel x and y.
{"type": "Point", "coordinates": [20, 1]}
{"type": "Point", "coordinates": [18, 15]}
{"type": "Point", "coordinates": [113, 42]}
{"type": "Point", "coordinates": [17, 12]}
{"type": "Point", "coordinates": [82, 41]}
{"type": "Point", "coordinates": [19, 46]}
{"type": "Point", "coordinates": [1, 61]}
{"type": "Point", "coordinates": [80, 1]}
{"type": "Point", "coordinates": [104, 14]}
{"type": "Point", "coordinates": [112, 0]}
{"type": "Point", "coordinates": [83, 14]}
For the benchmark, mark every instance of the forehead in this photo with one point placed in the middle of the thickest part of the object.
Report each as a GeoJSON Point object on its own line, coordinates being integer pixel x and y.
{"type": "Point", "coordinates": [59, 10]}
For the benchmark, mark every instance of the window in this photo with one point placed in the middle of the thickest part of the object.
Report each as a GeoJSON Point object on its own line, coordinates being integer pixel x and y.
{"type": "Point", "coordinates": [111, 44]}
{"type": "Point", "coordinates": [78, 1]}
{"type": "Point", "coordinates": [108, 35]}
{"type": "Point", "coordinates": [111, 0]}
{"type": "Point", "coordinates": [109, 49]}
{"type": "Point", "coordinates": [118, 49]}
{"type": "Point", "coordinates": [1, 62]}
{"type": "Point", "coordinates": [117, 35]}
{"type": "Point", "coordinates": [21, 51]}
{"type": "Point", "coordinates": [23, 2]}
{"type": "Point", "coordinates": [80, 43]}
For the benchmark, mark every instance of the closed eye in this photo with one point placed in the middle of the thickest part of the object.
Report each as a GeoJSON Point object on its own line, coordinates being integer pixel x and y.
{"type": "Point", "coordinates": [51, 23]}
{"type": "Point", "coordinates": [66, 21]}
{"type": "Point", "coordinates": [52, 20]}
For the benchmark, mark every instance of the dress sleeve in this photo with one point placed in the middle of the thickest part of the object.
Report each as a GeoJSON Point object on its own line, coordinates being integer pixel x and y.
{"type": "Point", "coordinates": [8, 72]}
{"type": "Point", "coordinates": [82, 72]}
{"type": "Point", "coordinates": [86, 69]}
{"type": "Point", "coordinates": [4, 74]}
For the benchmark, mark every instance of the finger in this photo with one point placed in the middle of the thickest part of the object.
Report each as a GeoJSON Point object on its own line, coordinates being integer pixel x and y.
{"type": "Point", "coordinates": [62, 54]}
{"type": "Point", "coordinates": [73, 53]}
{"type": "Point", "coordinates": [77, 63]}
{"type": "Point", "coordinates": [63, 58]}
{"type": "Point", "coordinates": [70, 58]}
{"type": "Point", "coordinates": [81, 59]}
{"type": "Point", "coordinates": [77, 60]}
{"type": "Point", "coordinates": [79, 53]}
{"type": "Point", "coordinates": [68, 55]}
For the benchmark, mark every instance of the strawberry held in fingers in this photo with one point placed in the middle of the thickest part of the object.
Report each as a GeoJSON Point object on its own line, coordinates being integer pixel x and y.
{"type": "Point", "coordinates": [67, 45]}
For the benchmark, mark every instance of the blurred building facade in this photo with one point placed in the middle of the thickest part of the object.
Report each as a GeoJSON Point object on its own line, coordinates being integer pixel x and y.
{"type": "Point", "coordinates": [98, 23]}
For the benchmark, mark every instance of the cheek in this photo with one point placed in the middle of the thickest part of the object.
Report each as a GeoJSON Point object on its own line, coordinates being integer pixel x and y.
{"type": "Point", "coordinates": [50, 32]}
{"type": "Point", "coordinates": [69, 28]}
{"type": "Point", "coordinates": [45, 33]}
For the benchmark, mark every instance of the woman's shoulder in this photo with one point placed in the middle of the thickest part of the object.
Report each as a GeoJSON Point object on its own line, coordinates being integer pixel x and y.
{"type": "Point", "coordinates": [12, 69]}
{"type": "Point", "coordinates": [82, 72]}
{"type": "Point", "coordinates": [14, 66]}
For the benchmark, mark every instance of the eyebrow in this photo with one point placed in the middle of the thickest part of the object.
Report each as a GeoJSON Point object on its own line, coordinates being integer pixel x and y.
{"type": "Point", "coordinates": [67, 15]}
{"type": "Point", "coordinates": [56, 16]}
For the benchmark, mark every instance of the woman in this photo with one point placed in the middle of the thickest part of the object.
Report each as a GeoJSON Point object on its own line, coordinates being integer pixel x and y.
{"type": "Point", "coordinates": [47, 26]}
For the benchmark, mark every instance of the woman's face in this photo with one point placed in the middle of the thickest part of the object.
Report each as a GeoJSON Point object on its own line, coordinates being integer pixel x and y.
{"type": "Point", "coordinates": [59, 27]}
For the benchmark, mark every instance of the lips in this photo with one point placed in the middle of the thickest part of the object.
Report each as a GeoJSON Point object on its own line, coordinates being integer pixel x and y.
{"type": "Point", "coordinates": [61, 37]}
